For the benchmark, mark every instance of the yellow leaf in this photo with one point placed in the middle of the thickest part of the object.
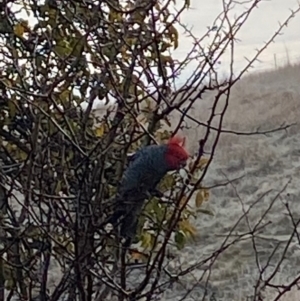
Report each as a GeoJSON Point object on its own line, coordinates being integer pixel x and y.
{"type": "Point", "coordinates": [131, 41]}
{"type": "Point", "coordinates": [70, 247]}
{"type": "Point", "coordinates": [114, 16]}
{"type": "Point", "coordinates": [146, 240]}
{"type": "Point", "coordinates": [64, 95]}
{"type": "Point", "coordinates": [200, 165]}
{"type": "Point", "coordinates": [100, 130]}
{"type": "Point", "coordinates": [141, 118]}
{"type": "Point", "coordinates": [19, 30]}
{"type": "Point", "coordinates": [23, 155]}
{"type": "Point", "coordinates": [202, 196]}
{"type": "Point", "coordinates": [187, 228]}
{"type": "Point", "coordinates": [199, 199]}
{"type": "Point", "coordinates": [162, 136]}
{"type": "Point", "coordinates": [182, 202]}
{"type": "Point", "coordinates": [206, 194]}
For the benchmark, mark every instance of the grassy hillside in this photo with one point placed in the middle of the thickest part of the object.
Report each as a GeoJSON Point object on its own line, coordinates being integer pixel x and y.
{"type": "Point", "coordinates": [263, 101]}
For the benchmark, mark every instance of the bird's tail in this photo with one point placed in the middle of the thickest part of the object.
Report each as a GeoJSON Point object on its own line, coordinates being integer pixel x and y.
{"type": "Point", "coordinates": [125, 218]}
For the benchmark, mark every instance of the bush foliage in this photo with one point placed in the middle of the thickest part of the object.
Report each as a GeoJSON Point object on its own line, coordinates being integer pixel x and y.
{"type": "Point", "coordinates": [60, 160]}
{"type": "Point", "coordinates": [83, 85]}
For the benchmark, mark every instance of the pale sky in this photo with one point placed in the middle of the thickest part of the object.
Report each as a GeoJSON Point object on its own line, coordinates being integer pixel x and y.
{"type": "Point", "coordinates": [259, 28]}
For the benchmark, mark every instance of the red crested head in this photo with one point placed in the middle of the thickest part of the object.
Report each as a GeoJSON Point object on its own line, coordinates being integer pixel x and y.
{"type": "Point", "coordinates": [176, 154]}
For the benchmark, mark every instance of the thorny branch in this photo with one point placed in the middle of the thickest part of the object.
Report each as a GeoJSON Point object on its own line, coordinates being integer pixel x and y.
{"type": "Point", "coordinates": [60, 165]}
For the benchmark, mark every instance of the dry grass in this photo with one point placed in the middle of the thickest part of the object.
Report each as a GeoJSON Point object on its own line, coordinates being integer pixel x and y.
{"type": "Point", "coordinates": [292, 295]}
{"type": "Point", "coordinates": [262, 100]}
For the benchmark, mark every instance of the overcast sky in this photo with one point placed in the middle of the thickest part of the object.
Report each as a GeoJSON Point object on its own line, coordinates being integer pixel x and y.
{"type": "Point", "coordinates": [258, 28]}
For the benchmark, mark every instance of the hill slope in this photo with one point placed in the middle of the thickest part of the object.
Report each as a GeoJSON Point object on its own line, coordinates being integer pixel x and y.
{"type": "Point", "coordinates": [267, 163]}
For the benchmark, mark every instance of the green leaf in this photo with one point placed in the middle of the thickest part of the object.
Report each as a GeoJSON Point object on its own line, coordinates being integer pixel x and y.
{"type": "Point", "coordinates": [65, 96]}
{"type": "Point", "coordinates": [8, 273]}
{"type": "Point", "coordinates": [167, 183]}
{"type": "Point", "coordinates": [205, 211]}
{"type": "Point", "coordinates": [174, 36]}
{"type": "Point", "coordinates": [63, 48]}
{"type": "Point", "coordinates": [10, 284]}
{"type": "Point", "coordinates": [187, 3]}
{"type": "Point", "coordinates": [52, 17]}
{"type": "Point", "coordinates": [12, 109]}
{"type": "Point", "coordinates": [180, 240]}
{"type": "Point", "coordinates": [33, 232]}
{"type": "Point", "coordinates": [147, 240]}
{"type": "Point", "coordinates": [58, 187]}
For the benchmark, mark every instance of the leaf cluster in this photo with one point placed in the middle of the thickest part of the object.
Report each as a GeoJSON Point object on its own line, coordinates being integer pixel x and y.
{"type": "Point", "coordinates": [60, 164]}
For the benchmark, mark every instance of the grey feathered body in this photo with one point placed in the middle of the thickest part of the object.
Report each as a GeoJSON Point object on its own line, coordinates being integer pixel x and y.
{"type": "Point", "coordinates": [145, 171]}
{"type": "Point", "coordinates": [140, 178]}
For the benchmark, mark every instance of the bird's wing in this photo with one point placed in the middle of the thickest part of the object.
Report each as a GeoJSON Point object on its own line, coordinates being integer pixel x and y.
{"type": "Point", "coordinates": [134, 156]}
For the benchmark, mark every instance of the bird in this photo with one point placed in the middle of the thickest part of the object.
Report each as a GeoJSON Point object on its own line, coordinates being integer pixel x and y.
{"type": "Point", "coordinates": [146, 169]}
